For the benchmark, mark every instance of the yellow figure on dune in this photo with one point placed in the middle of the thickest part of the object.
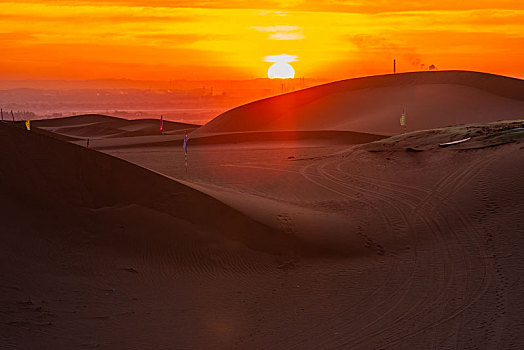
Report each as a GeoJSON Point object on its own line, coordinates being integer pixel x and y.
{"type": "Point", "coordinates": [28, 124]}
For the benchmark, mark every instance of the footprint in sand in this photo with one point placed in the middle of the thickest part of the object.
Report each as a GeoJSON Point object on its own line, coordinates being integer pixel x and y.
{"type": "Point", "coordinates": [286, 224]}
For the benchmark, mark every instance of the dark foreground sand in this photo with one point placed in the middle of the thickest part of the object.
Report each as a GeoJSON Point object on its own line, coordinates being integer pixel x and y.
{"type": "Point", "coordinates": [287, 243]}
{"type": "Point", "coordinates": [394, 244]}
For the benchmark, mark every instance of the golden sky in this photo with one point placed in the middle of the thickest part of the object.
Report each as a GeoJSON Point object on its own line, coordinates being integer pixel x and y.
{"type": "Point", "coordinates": [332, 39]}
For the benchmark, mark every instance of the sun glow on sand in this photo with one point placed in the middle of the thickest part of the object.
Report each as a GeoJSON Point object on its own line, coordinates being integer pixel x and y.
{"type": "Point", "coordinates": [281, 69]}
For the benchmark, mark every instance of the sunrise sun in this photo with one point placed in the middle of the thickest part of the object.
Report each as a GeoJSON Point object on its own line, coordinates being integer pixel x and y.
{"type": "Point", "coordinates": [281, 69]}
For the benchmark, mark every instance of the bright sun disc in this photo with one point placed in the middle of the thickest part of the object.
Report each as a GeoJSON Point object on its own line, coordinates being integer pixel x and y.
{"type": "Point", "coordinates": [281, 70]}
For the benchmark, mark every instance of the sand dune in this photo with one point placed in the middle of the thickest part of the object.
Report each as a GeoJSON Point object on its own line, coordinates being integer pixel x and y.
{"type": "Point", "coordinates": [374, 104]}
{"type": "Point", "coordinates": [86, 236]}
{"type": "Point", "coordinates": [96, 126]}
{"type": "Point", "coordinates": [94, 180]}
{"type": "Point", "coordinates": [106, 132]}
{"type": "Point", "coordinates": [284, 240]}
{"type": "Point", "coordinates": [442, 227]}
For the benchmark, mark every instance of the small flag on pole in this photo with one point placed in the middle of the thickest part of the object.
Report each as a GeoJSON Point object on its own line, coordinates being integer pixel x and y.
{"type": "Point", "coordinates": [161, 123]}
{"type": "Point", "coordinates": [28, 124]}
{"type": "Point", "coordinates": [186, 138]}
{"type": "Point", "coordinates": [403, 120]}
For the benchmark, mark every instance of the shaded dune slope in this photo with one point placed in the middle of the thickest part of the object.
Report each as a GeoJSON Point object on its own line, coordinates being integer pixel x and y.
{"type": "Point", "coordinates": [42, 172]}
{"type": "Point", "coordinates": [374, 104]}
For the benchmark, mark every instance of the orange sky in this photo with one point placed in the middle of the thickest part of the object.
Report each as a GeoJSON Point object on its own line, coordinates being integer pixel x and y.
{"type": "Point", "coordinates": [332, 39]}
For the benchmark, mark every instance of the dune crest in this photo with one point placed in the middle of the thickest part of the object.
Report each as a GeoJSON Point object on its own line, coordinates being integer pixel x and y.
{"type": "Point", "coordinates": [84, 126]}
{"type": "Point", "coordinates": [374, 104]}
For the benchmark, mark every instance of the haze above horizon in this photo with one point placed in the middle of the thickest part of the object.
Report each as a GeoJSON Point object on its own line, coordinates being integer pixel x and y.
{"type": "Point", "coordinates": [226, 40]}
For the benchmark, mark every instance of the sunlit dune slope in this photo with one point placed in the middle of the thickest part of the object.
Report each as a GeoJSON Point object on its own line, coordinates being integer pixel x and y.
{"type": "Point", "coordinates": [102, 126]}
{"type": "Point", "coordinates": [46, 175]}
{"type": "Point", "coordinates": [374, 104]}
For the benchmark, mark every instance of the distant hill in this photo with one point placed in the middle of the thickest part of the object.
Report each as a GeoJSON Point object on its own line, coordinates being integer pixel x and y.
{"type": "Point", "coordinates": [104, 126]}
{"type": "Point", "coordinates": [374, 104]}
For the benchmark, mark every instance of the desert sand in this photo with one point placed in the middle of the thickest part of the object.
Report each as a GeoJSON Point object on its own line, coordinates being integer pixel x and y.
{"type": "Point", "coordinates": [374, 104]}
{"type": "Point", "coordinates": [274, 237]}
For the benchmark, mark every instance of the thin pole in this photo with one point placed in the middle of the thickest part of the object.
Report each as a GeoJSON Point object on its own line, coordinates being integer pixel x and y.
{"type": "Point", "coordinates": [186, 138]}
{"type": "Point", "coordinates": [12, 115]}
